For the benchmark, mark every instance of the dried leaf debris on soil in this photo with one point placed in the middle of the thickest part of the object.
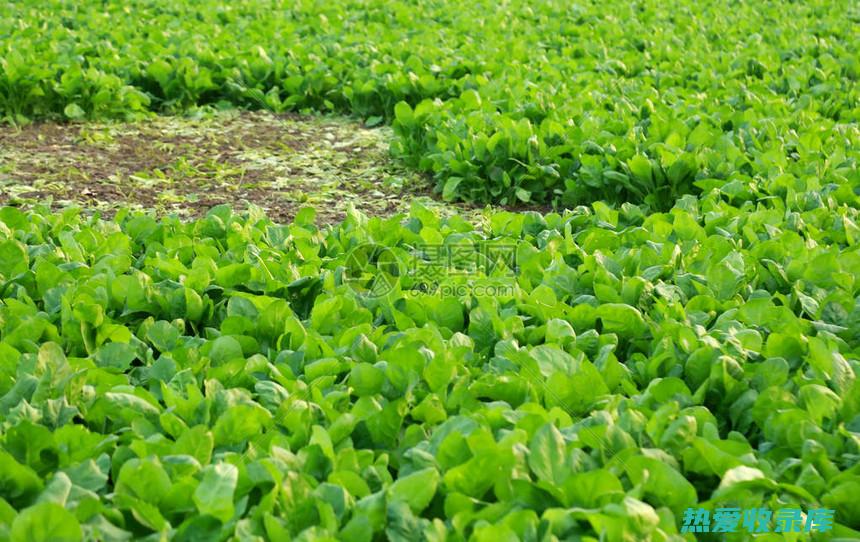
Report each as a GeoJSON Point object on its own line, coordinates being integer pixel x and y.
{"type": "Point", "coordinates": [188, 165]}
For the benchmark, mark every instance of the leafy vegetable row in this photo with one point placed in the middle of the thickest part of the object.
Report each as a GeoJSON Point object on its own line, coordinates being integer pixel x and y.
{"type": "Point", "coordinates": [227, 378]}
{"type": "Point", "coordinates": [502, 101]}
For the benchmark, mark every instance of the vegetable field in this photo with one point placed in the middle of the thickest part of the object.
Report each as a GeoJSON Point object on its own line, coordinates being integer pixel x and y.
{"type": "Point", "coordinates": [658, 310]}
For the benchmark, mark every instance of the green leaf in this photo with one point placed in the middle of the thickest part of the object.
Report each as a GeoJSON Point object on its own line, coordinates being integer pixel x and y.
{"type": "Point", "coordinates": [640, 167]}
{"type": "Point", "coordinates": [403, 114]}
{"type": "Point", "coordinates": [559, 331]}
{"type": "Point", "coordinates": [240, 423]}
{"type": "Point", "coordinates": [214, 495]}
{"type": "Point", "coordinates": [547, 456]}
{"type": "Point", "coordinates": [224, 349]}
{"type": "Point", "coordinates": [13, 259]}
{"type": "Point", "coordinates": [18, 483]}
{"type": "Point", "coordinates": [523, 195]}
{"type": "Point", "coordinates": [197, 442]}
{"type": "Point", "coordinates": [449, 313]}
{"type": "Point", "coordinates": [366, 379]}
{"type": "Point", "coordinates": [725, 276]}
{"type": "Point", "coordinates": [449, 191]}
{"type": "Point", "coordinates": [667, 486]}
{"type": "Point", "coordinates": [232, 275]}
{"type": "Point", "coordinates": [143, 479]}
{"type": "Point", "coordinates": [622, 319]}
{"type": "Point", "coordinates": [575, 392]}
{"type": "Point", "coordinates": [163, 336]}
{"type": "Point", "coordinates": [74, 111]}
{"type": "Point", "coordinates": [58, 489]}
{"type": "Point", "coordinates": [592, 489]}
{"type": "Point", "coordinates": [45, 522]}
{"type": "Point", "coordinates": [115, 356]}
{"type": "Point", "coordinates": [415, 489]}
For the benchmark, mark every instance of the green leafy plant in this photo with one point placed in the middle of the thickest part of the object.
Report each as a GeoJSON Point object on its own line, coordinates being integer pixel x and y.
{"type": "Point", "coordinates": [577, 108]}
{"type": "Point", "coordinates": [223, 376]}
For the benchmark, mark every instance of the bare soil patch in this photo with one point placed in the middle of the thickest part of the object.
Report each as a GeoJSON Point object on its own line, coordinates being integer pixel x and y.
{"type": "Point", "coordinates": [186, 166]}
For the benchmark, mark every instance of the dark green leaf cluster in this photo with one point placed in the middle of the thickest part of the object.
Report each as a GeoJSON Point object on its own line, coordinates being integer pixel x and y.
{"type": "Point", "coordinates": [502, 101]}
{"type": "Point", "coordinates": [225, 378]}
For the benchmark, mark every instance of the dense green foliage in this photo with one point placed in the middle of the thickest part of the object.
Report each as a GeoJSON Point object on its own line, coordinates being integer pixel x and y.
{"type": "Point", "coordinates": [225, 376]}
{"type": "Point", "coordinates": [546, 101]}
{"type": "Point", "coordinates": [689, 338]}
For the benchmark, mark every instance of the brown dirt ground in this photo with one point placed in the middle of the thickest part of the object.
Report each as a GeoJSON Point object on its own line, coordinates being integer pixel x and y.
{"type": "Point", "coordinates": [186, 166]}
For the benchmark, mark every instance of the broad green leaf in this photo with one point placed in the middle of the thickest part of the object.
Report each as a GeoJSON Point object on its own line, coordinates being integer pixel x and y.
{"type": "Point", "coordinates": [415, 489]}
{"type": "Point", "coordinates": [45, 522]}
{"type": "Point", "coordinates": [214, 495]}
{"type": "Point", "coordinates": [547, 455]}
